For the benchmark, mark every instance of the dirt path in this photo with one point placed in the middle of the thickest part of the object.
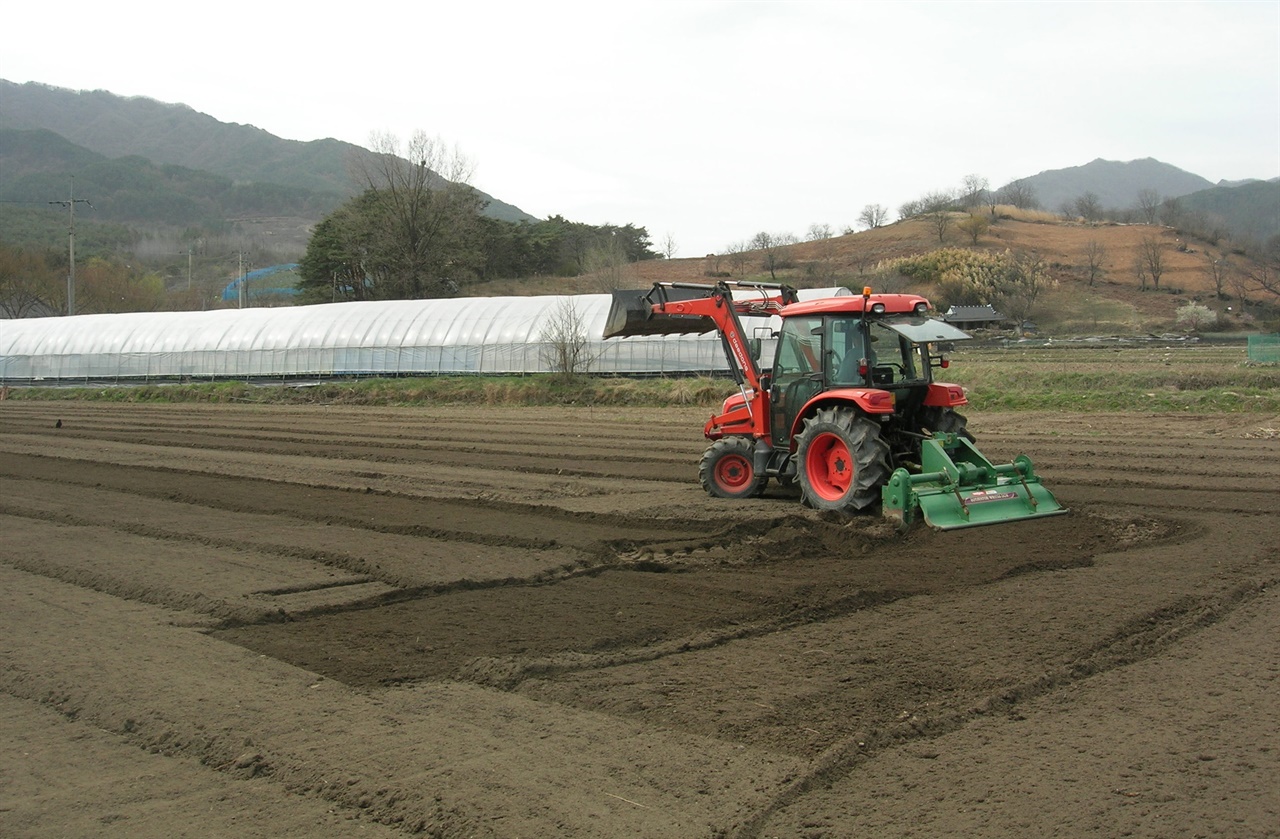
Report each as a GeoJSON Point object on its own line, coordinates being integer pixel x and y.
{"type": "Point", "coordinates": [321, 621]}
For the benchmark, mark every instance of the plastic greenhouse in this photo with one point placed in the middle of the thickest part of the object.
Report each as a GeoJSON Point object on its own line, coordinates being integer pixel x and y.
{"type": "Point", "coordinates": [472, 335]}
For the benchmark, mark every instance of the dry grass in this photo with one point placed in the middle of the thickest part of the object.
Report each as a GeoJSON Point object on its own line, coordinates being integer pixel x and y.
{"type": "Point", "coordinates": [1008, 211]}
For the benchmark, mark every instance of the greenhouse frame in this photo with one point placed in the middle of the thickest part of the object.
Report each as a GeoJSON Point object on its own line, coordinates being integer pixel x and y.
{"type": "Point", "coordinates": [469, 335]}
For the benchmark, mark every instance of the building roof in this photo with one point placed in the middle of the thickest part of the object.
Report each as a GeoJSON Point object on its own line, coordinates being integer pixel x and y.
{"type": "Point", "coordinates": [973, 314]}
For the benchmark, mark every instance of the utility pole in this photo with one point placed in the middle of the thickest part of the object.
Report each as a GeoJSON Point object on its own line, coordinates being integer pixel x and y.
{"type": "Point", "coordinates": [70, 204]}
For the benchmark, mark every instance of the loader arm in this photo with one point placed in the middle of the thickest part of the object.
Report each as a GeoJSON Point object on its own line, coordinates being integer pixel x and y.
{"type": "Point", "coordinates": [684, 308]}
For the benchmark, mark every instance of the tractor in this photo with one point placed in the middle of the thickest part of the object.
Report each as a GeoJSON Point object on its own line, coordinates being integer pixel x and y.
{"type": "Point", "coordinates": [848, 411]}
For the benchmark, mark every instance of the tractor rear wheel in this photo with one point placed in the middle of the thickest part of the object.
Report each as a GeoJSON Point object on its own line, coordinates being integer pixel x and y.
{"type": "Point", "coordinates": [728, 469]}
{"type": "Point", "coordinates": [947, 420]}
{"type": "Point", "coordinates": [843, 460]}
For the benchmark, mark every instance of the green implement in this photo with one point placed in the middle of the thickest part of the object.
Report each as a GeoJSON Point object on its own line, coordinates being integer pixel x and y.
{"type": "Point", "coordinates": [957, 487]}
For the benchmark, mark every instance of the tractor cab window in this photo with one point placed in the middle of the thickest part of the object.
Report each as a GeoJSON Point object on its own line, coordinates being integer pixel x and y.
{"type": "Point", "coordinates": [894, 359]}
{"type": "Point", "coordinates": [846, 353]}
{"type": "Point", "coordinates": [799, 349]}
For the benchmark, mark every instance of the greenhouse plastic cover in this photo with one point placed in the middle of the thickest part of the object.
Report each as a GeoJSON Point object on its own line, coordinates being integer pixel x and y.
{"type": "Point", "coordinates": [473, 335]}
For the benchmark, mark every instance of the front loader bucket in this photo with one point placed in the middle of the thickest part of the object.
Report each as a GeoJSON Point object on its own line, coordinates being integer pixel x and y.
{"type": "Point", "coordinates": [958, 487]}
{"type": "Point", "coordinates": [631, 313]}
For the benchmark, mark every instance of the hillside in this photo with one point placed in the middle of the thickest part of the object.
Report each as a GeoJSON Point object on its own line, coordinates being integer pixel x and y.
{"type": "Point", "coordinates": [1250, 209]}
{"type": "Point", "coordinates": [115, 126]}
{"type": "Point", "coordinates": [1115, 304]}
{"type": "Point", "coordinates": [135, 190]}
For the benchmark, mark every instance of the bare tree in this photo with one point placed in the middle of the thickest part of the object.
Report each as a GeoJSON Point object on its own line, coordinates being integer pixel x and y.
{"type": "Point", "coordinates": [1019, 193]}
{"type": "Point", "coordinates": [974, 192]}
{"type": "Point", "coordinates": [775, 249]}
{"type": "Point", "coordinates": [1217, 267]}
{"type": "Point", "coordinates": [669, 246]}
{"type": "Point", "coordinates": [1265, 275]}
{"type": "Point", "coordinates": [1149, 205]}
{"type": "Point", "coordinates": [818, 232]}
{"type": "Point", "coordinates": [1088, 206]}
{"type": "Point", "coordinates": [941, 199]}
{"type": "Point", "coordinates": [940, 221]}
{"type": "Point", "coordinates": [1240, 283]}
{"type": "Point", "coordinates": [1094, 254]}
{"type": "Point", "coordinates": [873, 216]}
{"type": "Point", "coordinates": [1140, 270]}
{"type": "Point", "coordinates": [928, 204]}
{"type": "Point", "coordinates": [26, 282]}
{"type": "Point", "coordinates": [420, 189]}
{"type": "Point", "coordinates": [737, 252]}
{"type": "Point", "coordinates": [565, 348]}
{"type": "Point", "coordinates": [1151, 257]}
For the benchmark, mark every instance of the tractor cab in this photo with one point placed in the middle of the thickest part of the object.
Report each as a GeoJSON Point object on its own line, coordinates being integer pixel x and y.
{"type": "Point", "coordinates": [882, 342]}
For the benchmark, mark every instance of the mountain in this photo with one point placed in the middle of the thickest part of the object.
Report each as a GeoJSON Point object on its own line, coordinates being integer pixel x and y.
{"type": "Point", "coordinates": [1251, 210]}
{"type": "Point", "coordinates": [34, 167]}
{"type": "Point", "coordinates": [167, 134]}
{"type": "Point", "coordinates": [1116, 184]}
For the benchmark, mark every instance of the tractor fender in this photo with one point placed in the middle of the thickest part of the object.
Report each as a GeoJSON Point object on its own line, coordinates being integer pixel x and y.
{"type": "Point", "coordinates": [870, 401]}
{"type": "Point", "coordinates": [943, 395]}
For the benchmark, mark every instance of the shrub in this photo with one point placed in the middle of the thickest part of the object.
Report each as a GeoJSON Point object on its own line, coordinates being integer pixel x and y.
{"type": "Point", "coordinates": [1195, 317]}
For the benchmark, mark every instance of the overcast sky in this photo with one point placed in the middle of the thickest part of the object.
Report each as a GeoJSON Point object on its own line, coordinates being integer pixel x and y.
{"type": "Point", "coordinates": [709, 121]}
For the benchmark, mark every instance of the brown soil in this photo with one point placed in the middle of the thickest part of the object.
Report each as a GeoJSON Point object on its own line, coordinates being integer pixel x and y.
{"type": "Point", "coordinates": [315, 621]}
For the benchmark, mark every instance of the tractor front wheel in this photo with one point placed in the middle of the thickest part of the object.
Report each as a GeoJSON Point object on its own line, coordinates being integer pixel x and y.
{"type": "Point", "coordinates": [728, 469]}
{"type": "Point", "coordinates": [843, 461]}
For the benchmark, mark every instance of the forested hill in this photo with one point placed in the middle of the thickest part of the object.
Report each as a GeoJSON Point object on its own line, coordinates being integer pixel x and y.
{"type": "Point", "coordinates": [167, 134]}
{"type": "Point", "coordinates": [36, 165]}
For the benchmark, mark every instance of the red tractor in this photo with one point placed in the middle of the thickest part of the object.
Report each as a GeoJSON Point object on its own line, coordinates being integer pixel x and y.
{"type": "Point", "coordinates": [849, 411]}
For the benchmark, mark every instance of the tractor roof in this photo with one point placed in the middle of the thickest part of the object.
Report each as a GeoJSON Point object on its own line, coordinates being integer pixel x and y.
{"type": "Point", "coordinates": [894, 304]}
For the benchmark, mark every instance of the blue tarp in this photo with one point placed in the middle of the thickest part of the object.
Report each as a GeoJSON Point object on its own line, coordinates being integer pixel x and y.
{"type": "Point", "coordinates": [232, 291]}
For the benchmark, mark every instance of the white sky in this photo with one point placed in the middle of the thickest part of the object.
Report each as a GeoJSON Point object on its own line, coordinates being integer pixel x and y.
{"type": "Point", "coordinates": [703, 119]}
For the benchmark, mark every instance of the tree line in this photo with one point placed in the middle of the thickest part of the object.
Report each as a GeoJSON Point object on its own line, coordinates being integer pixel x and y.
{"type": "Point", "coordinates": [33, 283]}
{"type": "Point", "coordinates": [417, 230]}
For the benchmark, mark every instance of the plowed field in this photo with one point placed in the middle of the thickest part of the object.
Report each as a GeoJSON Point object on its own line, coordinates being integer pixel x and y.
{"type": "Point", "coordinates": [494, 622]}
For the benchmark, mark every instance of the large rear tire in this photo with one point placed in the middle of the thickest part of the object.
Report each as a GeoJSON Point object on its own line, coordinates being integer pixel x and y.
{"type": "Point", "coordinates": [843, 461]}
{"type": "Point", "coordinates": [728, 469]}
{"type": "Point", "coordinates": [947, 420]}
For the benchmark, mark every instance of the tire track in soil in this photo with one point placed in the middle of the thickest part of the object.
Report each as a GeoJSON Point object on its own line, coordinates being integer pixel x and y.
{"type": "Point", "coordinates": [412, 565]}
{"type": "Point", "coordinates": [622, 615]}
{"type": "Point", "coordinates": [451, 442]}
{"type": "Point", "coordinates": [1144, 637]}
{"type": "Point", "coordinates": [494, 523]}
